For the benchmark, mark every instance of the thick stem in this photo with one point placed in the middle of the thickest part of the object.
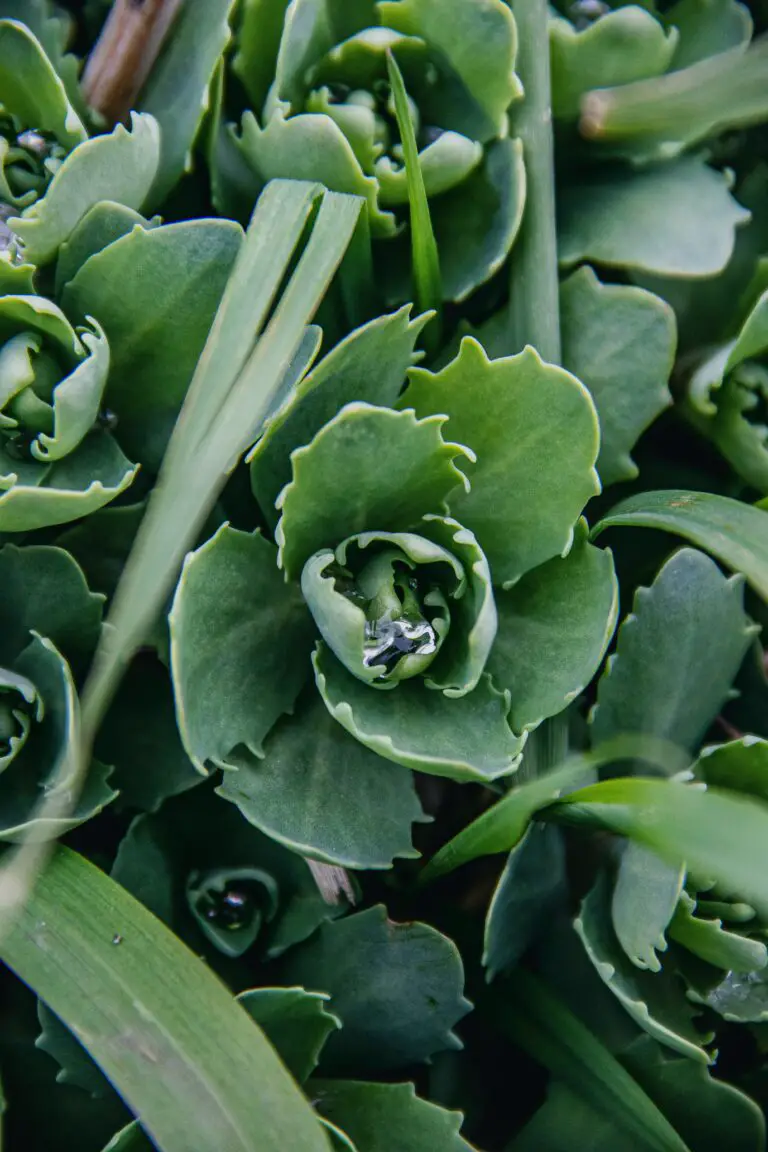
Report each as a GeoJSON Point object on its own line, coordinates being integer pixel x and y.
{"type": "Point", "coordinates": [123, 56]}
{"type": "Point", "coordinates": [534, 303]}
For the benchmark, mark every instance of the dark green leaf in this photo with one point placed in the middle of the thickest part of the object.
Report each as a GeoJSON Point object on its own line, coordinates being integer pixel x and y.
{"type": "Point", "coordinates": [376, 1115]}
{"type": "Point", "coordinates": [296, 1023]}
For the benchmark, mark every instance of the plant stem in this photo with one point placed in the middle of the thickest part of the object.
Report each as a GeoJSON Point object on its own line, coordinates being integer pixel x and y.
{"type": "Point", "coordinates": [534, 303]}
{"type": "Point", "coordinates": [123, 56]}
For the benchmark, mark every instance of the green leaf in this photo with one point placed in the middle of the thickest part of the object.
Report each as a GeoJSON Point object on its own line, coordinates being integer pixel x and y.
{"type": "Point", "coordinates": [181, 1017]}
{"type": "Point", "coordinates": [139, 737]}
{"type": "Point", "coordinates": [735, 533]}
{"type": "Point", "coordinates": [425, 257]}
{"type": "Point", "coordinates": [31, 90]}
{"type": "Point", "coordinates": [554, 627]}
{"type": "Point", "coordinates": [397, 466]}
{"type": "Point", "coordinates": [369, 365]}
{"type": "Point", "coordinates": [240, 644]}
{"type": "Point", "coordinates": [130, 1139]}
{"type": "Point", "coordinates": [550, 457]}
{"type": "Point", "coordinates": [312, 777]}
{"type": "Point", "coordinates": [155, 293]}
{"type": "Point", "coordinates": [397, 989]}
{"type": "Point", "coordinates": [503, 826]}
{"type": "Point", "coordinates": [740, 997]}
{"type": "Point", "coordinates": [612, 334]}
{"type": "Point", "coordinates": [543, 1026]}
{"type": "Point", "coordinates": [376, 1114]}
{"type": "Point", "coordinates": [655, 1000]}
{"type": "Point", "coordinates": [674, 219]}
{"type": "Point", "coordinates": [257, 44]}
{"type": "Point", "coordinates": [617, 48]}
{"type": "Point", "coordinates": [176, 91]}
{"type": "Point", "coordinates": [41, 495]}
{"type": "Point", "coordinates": [101, 226]}
{"type": "Point", "coordinates": [120, 166]}
{"type": "Point", "coordinates": [707, 27]}
{"type": "Point", "coordinates": [645, 896]}
{"type": "Point", "coordinates": [677, 654]}
{"type": "Point", "coordinates": [309, 147]}
{"type": "Point", "coordinates": [714, 944]}
{"type": "Point", "coordinates": [529, 890]}
{"type": "Point", "coordinates": [465, 739]}
{"type": "Point", "coordinates": [296, 1023]}
{"type": "Point", "coordinates": [75, 1065]}
{"type": "Point", "coordinates": [740, 765]}
{"type": "Point", "coordinates": [477, 46]}
{"type": "Point", "coordinates": [197, 846]}
{"type": "Point", "coordinates": [718, 834]}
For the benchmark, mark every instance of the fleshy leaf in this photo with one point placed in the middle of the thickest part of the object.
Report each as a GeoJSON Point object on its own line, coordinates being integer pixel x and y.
{"type": "Point", "coordinates": [707, 28]}
{"type": "Point", "coordinates": [656, 1001]}
{"type": "Point", "coordinates": [375, 1114]}
{"type": "Point", "coordinates": [155, 293]}
{"type": "Point", "coordinates": [620, 342]}
{"type": "Point", "coordinates": [101, 226]}
{"type": "Point", "coordinates": [465, 739]}
{"type": "Point", "coordinates": [741, 765]}
{"type": "Point", "coordinates": [312, 777]}
{"type": "Point", "coordinates": [554, 627]}
{"type": "Point", "coordinates": [257, 45]}
{"type": "Point", "coordinates": [176, 92]}
{"type": "Point", "coordinates": [616, 218]}
{"type": "Point", "coordinates": [296, 1023]}
{"type": "Point", "coordinates": [40, 496]}
{"type": "Point", "coordinates": [735, 533]}
{"type": "Point", "coordinates": [525, 495]}
{"type": "Point", "coordinates": [397, 989]}
{"type": "Point", "coordinates": [120, 166]}
{"type": "Point", "coordinates": [75, 1065]}
{"type": "Point", "coordinates": [529, 890]}
{"type": "Point", "coordinates": [477, 45]}
{"type": "Point", "coordinates": [644, 899]}
{"type": "Point", "coordinates": [617, 48]}
{"type": "Point", "coordinates": [30, 88]}
{"type": "Point", "coordinates": [368, 365]}
{"type": "Point", "coordinates": [240, 644]}
{"type": "Point", "coordinates": [708, 939]}
{"type": "Point", "coordinates": [194, 845]}
{"type": "Point", "coordinates": [677, 654]}
{"type": "Point", "coordinates": [397, 467]}
{"type": "Point", "coordinates": [76, 401]}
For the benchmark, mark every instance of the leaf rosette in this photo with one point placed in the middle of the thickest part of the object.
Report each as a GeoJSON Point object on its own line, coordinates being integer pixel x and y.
{"type": "Point", "coordinates": [49, 623]}
{"type": "Point", "coordinates": [58, 461]}
{"type": "Point", "coordinates": [322, 109]}
{"type": "Point", "coordinates": [427, 576]}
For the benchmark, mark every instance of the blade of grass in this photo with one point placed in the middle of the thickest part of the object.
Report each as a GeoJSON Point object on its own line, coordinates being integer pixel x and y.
{"type": "Point", "coordinates": [427, 281]}
{"type": "Point", "coordinates": [177, 1046]}
{"type": "Point", "coordinates": [534, 293]}
{"type": "Point", "coordinates": [538, 1022]}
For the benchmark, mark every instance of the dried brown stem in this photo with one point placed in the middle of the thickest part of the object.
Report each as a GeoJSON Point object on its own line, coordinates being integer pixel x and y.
{"type": "Point", "coordinates": [123, 56]}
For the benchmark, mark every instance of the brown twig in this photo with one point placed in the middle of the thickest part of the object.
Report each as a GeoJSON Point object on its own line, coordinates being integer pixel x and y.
{"type": "Point", "coordinates": [122, 57]}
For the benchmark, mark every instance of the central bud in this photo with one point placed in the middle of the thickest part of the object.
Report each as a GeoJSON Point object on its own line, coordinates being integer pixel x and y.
{"type": "Point", "coordinates": [400, 611]}
{"type": "Point", "coordinates": [19, 706]}
{"type": "Point", "coordinates": [231, 905]}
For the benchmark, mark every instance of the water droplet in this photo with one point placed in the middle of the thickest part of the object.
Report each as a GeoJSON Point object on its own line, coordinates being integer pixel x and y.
{"type": "Point", "coordinates": [231, 909]}
{"type": "Point", "coordinates": [117, 938]}
{"type": "Point", "coordinates": [391, 640]}
{"type": "Point", "coordinates": [585, 12]}
{"type": "Point", "coordinates": [107, 419]}
{"type": "Point", "coordinates": [33, 142]}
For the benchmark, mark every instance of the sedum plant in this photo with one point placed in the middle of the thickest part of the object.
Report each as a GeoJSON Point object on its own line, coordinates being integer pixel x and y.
{"type": "Point", "coordinates": [362, 751]}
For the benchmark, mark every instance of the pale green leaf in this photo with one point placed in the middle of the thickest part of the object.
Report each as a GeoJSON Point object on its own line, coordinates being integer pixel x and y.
{"type": "Point", "coordinates": [677, 654]}
{"type": "Point", "coordinates": [369, 365]}
{"type": "Point", "coordinates": [645, 895]}
{"type": "Point", "coordinates": [713, 943]}
{"type": "Point", "coordinates": [675, 219]}
{"type": "Point", "coordinates": [554, 627]}
{"type": "Point", "coordinates": [155, 293]}
{"type": "Point", "coordinates": [525, 494]}
{"type": "Point", "coordinates": [617, 48]}
{"type": "Point", "coordinates": [120, 166]}
{"type": "Point", "coordinates": [740, 765]}
{"type": "Point", "coordinates": [224, 1079]}
{"type": "Point", "coordinates": [102, 225]}
{"type": "Point", "coordinates": [240, 644]}
{"type": "Point", "coordinates": [707, 27]}
{"type": "Point", "coordinates": [620, 342]}
{"type": "Point", "coordinates": [397, 989]}
{"type": "Point", "coordinates": [368, 468]}
{"type": "Point", "coordinates": [655, 1000]}
{"type": "Point", "coordinates": [30, 88]}
{"type": "Point", "coordinates": [297, 1023]}
{"type": "Point", "coordinates": [176, 91]}
{"type": "Point", "coordinates": [735, 533]}
{"type": "Point", "coordinates": [257, 40]}
{"type": "Point", "coordinates": [312, 777]}
{"type": "Point", "coordinates": [466, 739]}
{"type": "Point", "coordinates": [375, 1115]}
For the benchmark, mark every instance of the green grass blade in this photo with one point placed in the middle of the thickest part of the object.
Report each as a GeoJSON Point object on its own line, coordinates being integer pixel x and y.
{"type": "Point", "coordinates": [538, 1021]}
{"type": "Point", "coordinates": [180, 1050]}
{"type": "Point", "coordinates": [426, 261]}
